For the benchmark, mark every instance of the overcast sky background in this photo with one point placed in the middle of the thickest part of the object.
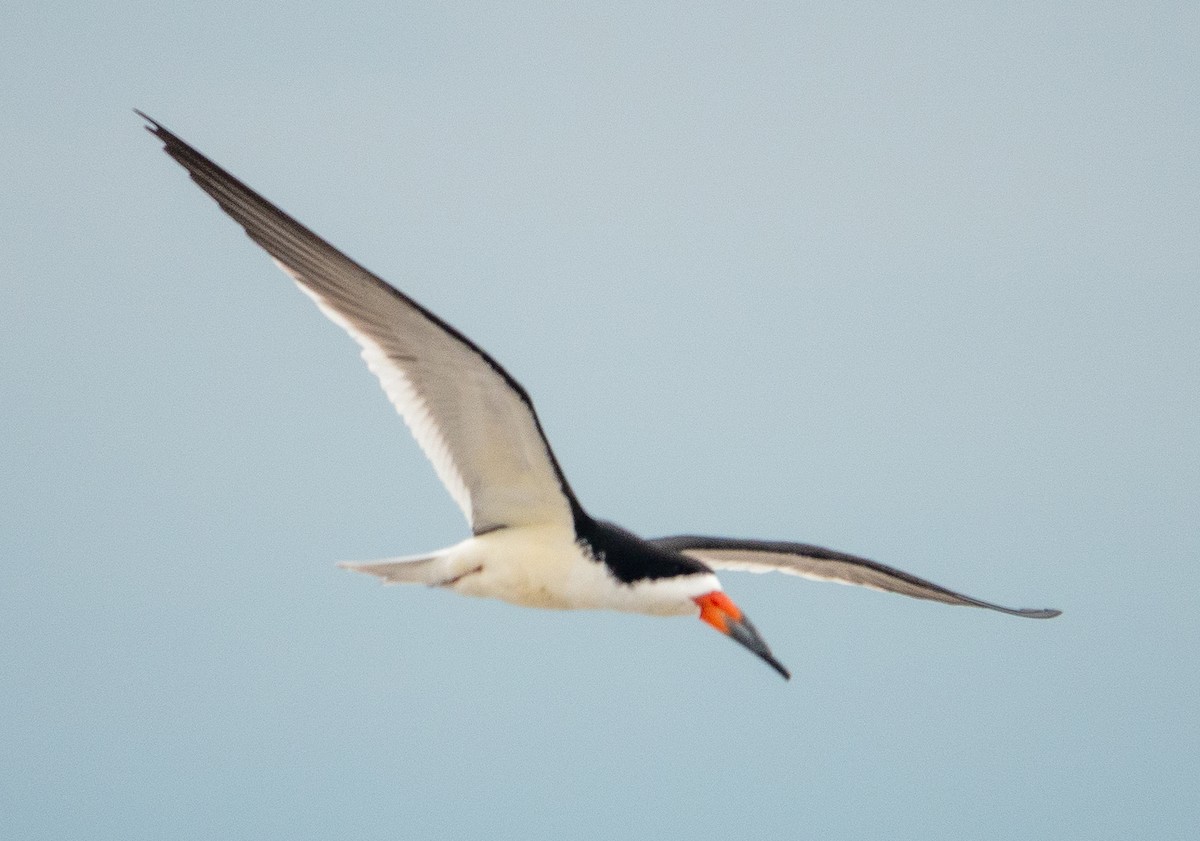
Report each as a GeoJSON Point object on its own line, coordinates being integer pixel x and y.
{"type": "Point", "coordinates": [920, 283]}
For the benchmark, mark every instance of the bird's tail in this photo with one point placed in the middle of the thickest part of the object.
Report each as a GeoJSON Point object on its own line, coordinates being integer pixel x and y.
{"type": "Point", "coordinates": [418, 569]}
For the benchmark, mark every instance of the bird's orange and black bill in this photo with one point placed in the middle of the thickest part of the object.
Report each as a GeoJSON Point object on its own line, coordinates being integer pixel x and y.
{"type": "Point", "coordinates": [718, 610]}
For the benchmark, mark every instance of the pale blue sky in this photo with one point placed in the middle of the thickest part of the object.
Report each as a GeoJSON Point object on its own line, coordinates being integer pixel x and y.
{"type": "Point", "coordinates": [919, 283]}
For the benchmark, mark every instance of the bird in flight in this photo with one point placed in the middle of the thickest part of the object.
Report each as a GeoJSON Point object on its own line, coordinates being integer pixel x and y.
{"type": "Point", "coordinates": [532, 543]}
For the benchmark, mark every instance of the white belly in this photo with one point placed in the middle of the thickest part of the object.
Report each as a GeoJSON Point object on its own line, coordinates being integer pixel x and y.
{"type": "Point", "coordinates": [545, 567]}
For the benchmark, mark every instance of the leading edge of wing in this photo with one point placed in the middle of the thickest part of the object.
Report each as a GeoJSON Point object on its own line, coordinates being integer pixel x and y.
{"type": "Point", "coordinates": [293, 245]}
{"type": "Point", "coordinates": [823, 564]}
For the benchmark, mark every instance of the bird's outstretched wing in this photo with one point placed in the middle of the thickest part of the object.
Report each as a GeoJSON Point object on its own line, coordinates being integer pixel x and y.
{"type": "Point", "coordinates": [472, 419]}
{"type": "Point", "coordinates": [823, 565]}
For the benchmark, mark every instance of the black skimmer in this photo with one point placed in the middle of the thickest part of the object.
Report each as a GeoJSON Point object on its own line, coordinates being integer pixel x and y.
{"type": "Point", "coordinates": [532, 543]}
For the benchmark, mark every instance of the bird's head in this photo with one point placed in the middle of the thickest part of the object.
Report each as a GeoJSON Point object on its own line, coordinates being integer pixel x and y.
{"type": "Point", "coordinates": [718, 610]}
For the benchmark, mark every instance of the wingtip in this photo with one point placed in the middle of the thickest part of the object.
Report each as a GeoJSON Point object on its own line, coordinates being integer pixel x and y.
{"type": "Point", "coordinates": [157, 129]}
{"type": "Point", "coordinates": [1022, 612]}
{"type": "Point", "coordinates": [154, 126]}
